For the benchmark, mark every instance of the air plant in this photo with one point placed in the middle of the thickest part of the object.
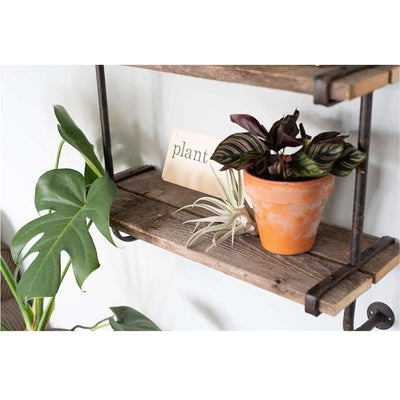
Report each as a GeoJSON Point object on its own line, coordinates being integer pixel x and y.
{"type": "Point", "coordinates": [233, 215]}
{"type": "Point", "coordinates": [261, 152]}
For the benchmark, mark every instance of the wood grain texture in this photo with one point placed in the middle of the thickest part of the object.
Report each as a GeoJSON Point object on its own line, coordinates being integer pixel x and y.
{"type": "Point", "coordinates": [332, 243]}
{"type": "Point", "coordinates": [295, 78]}
{"type": "Point", "coordinates": [145, 208]}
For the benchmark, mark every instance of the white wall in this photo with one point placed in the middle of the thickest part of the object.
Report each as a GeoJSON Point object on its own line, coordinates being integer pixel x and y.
{"type": "Point", "coordinates": [144, 107]}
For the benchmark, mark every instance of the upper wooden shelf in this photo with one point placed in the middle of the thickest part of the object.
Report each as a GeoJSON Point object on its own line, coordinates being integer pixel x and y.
{"type": "Point", "coordinates": [144, 209]}
{"type": "Point", "coordinates": [294, 78]}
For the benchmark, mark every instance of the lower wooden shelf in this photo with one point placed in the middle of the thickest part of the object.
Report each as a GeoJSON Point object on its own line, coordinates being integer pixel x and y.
{"type": "Point", "coordinates": [144, 209]}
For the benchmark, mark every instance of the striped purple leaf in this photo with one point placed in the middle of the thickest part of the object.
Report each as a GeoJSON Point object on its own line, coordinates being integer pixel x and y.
{"type": "Point", "coordinates": [348, 160]}
{"type": "Point", "coordinates": [229, 151]}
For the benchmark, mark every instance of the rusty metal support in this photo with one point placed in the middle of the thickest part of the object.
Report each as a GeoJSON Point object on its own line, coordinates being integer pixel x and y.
{"type": "Point", "coordinates": [105, 131]}
{"type": "Point", "coordinates": [315, 293]}
{"type": "Point", "coordinates": [379, 314]}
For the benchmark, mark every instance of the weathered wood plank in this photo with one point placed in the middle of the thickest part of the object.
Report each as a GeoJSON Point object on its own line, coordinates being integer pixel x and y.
{"type": "Point", "coordinates": [333, 243]}
{"type": "Point", "coordinates": [394, 72]}
{"type": "Point", "coordinates": [296, 78]}
{"type": "Point", "coordinates": [288, 276]}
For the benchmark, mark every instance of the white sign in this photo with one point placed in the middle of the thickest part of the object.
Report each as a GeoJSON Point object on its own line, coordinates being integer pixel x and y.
{"type": "Point", "coordinates": [188, 162]}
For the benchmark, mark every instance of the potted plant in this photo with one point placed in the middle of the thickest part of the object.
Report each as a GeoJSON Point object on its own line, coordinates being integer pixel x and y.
{"type": "Point", "coordinates": [288, 191]}
{"type": "Point", "coordinates": [71, 202]}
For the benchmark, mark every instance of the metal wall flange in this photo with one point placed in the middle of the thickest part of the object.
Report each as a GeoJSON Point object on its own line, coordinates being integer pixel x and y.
{"type": "Point", "coordinates": [383, 313]}
{"type": "Point", "coordinates": [379, 316]}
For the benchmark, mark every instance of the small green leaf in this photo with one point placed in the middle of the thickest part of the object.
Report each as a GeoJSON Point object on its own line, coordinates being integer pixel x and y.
{"type": "Point", "coordinates": [348, 160]}
{"type": "Point", "coordinates": [64, 192]}
{"type": "Point", "coordinates": [302, 166]}
{"type": "Point", "coordinates": [70, 132]}
{"type": "Point", "coordinates": [129, 319]}
{"type": "Point", "coordinates": [230, 150]}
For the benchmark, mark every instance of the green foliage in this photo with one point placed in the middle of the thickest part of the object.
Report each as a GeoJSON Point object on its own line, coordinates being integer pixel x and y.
{"type": "Point", "coordinates": [70, 132]}
{"type": "Point", "coordinates": [324, 154]}
{"type": "Point", "coordinates": [229, 152]}
{"type": "Point", "coordinates": [64, 228]}
{"type": "Point", "coordinates": [128, 319]}
{"type": "Point", "coordinates": [302, 166]}
{"type": "Point", "coordinates": [64, 192]}
{"type": "Point", "coordinates": [349, 159]}
{"type": "Point", "coordinates": [265, 158]}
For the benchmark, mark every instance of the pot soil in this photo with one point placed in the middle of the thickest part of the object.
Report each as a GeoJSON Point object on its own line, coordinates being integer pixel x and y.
{"type": "Point", "coordinates": [288, 213]}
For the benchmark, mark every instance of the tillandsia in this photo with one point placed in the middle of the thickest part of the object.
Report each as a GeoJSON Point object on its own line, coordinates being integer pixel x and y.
{"type": "Point", "coordinates": [232, 214]}
{"type": "Point", "coordinates": [262, 152]}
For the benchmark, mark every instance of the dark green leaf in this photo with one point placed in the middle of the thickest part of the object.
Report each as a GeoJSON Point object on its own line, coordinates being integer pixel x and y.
{"type": "Point", "coordinates": [302, 166]}
{"type": "Point", "coordinates": [90, 176]}
{"type": "Point", "coordinates": [324, 154]}
{"type": "Point", "coordinates": [64, 192]}
{"type": "Point", "coordinates": [129, 319]}
{"type": "Point", "coordinates": [348, 160]}
{"type": "Point", "coordinates": [258, 163]}
{"type": "Point", "coordinates": [70, 132]}
{"type": "Point", "coordinates": [230, 150]}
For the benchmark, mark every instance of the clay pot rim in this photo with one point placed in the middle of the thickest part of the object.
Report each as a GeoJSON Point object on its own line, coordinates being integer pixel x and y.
{"type": "Point", "coordinates": [287, 184]}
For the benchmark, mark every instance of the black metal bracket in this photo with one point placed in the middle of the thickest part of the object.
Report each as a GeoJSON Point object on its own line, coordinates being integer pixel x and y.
{"type": "Point", "coordinates": [322, 82]}
{"type": "Point", "coordinates": [315, 293]}
{"type": "Point", "coordinates": [105, 132]}
{"type": "Point", "coordinates": [379, 314]}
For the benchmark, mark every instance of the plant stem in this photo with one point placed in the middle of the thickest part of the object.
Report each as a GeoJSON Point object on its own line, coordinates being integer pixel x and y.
{"type": "Point", "coordinates": [38, 302]}
{"type": "Point", "coordinates": [100, 326]}
{"type": "Point", "coordinates": [95, 326]}
{"type": "Point", "coordinates": [59, 153]}
{"type": "Point", "coordinates": [49, 308]}
{"type": "Point", "coordinates": [26, 310]}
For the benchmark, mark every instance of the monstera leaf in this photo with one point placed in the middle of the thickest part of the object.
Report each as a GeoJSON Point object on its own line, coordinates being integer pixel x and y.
{"type": "Point", "coordinates": [70, 132]}
{"type": "Point", "coordinates": [230, 151]}
{"type": "Point", "coordinates": [64, 192]}
{"type": "Point", "coordinates": [129, 319]}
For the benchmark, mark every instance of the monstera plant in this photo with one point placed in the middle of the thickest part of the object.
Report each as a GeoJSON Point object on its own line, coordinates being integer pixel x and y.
{"type": "Point", "coordinates": [288, 191]}
{"type": "Point", "coordinates": [70, 203]}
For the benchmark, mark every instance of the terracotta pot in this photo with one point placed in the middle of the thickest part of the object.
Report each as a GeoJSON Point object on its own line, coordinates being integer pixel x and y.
{"type": "Point", "coordinates": [288, 213]}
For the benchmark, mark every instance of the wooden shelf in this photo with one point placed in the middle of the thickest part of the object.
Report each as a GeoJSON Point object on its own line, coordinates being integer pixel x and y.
{"type": "Point", "coordinates": [144, 209]}
{"type": "Point", "coordinates": [294, 78]}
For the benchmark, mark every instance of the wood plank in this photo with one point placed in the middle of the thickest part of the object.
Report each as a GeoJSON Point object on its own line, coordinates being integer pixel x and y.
{"type": "Point", "coordinates": [288, 276]}
{"type": "Point", "coordinates": [394, 72]}
{"type": "Point", "coordinates": [296, 78]}
{"type": "Point", "coordinates": [144, 209]}
{"type": "Point", "coordinates": [332, 243]}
